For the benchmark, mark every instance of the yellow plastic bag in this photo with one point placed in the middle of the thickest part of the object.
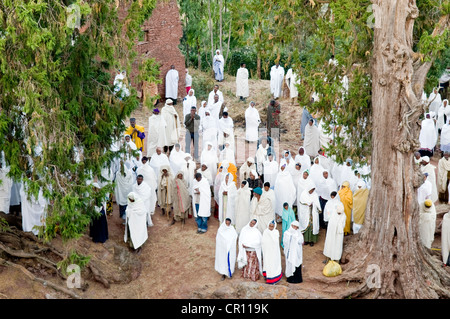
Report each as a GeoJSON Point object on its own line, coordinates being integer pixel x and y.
{"type": "Point", "coordinates": [332, 269]}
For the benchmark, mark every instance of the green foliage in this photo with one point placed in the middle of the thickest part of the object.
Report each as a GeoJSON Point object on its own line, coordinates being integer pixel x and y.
{"type": "Point", "coordinates": [202, 85]}
{"type": "Point", "coordinates": [149, 72]}
{"type": "Point", "coordinates": [59, 115]}
{"type": "Point", "coordinates": [4, 226]}
{"type": "Point", "coordinates": [73, 259]}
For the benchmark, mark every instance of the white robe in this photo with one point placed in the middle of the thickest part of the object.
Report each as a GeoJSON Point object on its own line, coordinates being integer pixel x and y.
{"type": "Point", "coordinates": [261, 157]}
{"type": "Point", "coordinates": [270, 170]}
{"type": "Point", "coordinates": [304, 159]}
{"type": "Point", "coordinates": [150, 178]}
{"type": "Point", "coordinates": [249, 237]}
{"type": "Point", "coordinates": [262, 210]}
{"type": "Point", "coordinates": [424, 191]}
{"type": "Point", "coordinates": [428, 136]}
{"type": "Point", "coordinates": [311, 142]}
{"type": "Point", "coordinates": [145, 193]}
{"type": "Point", "coordinates": [157, 161]}
{"type": "Point", "coordinates": [445, 237]}
{"type": "Point", "coordinates": [276, 80]}
{"type": "Point", "coordinates": [435, 100]}
{"type": "Point", "coordinates": [220, 59]}
{"type": "Point", "coordinates": [308, 204]}
{"type": "Point", "coordinates": [230, 201]}
{"type": "Point", "coordinates": [252, 121]}
{"type": "Point", "coordinates": [172, 84]}
{"type": "Point", "coordinates": [33, 211]}
{"type": "Point", "coordinates": [5, 190]}
{"type": "Point", "coordinates": [177, 159]}
{"type": "Point", "coordinates": [302, 184]}
{"type": "Point", "coordinates": [335, 236]}
{"type": "Point", "coordinates": [173, 126]}
{"type": "Point", "coordinates": [427, 224]}
{"type": "Point", "coordinates": [136, 219]}
{"type": "Point", "coordinates": [292, 81]}
{"type": "Point", "coordinates": [284, 191]}
{"type": "Point", "coordinates": [242, 207]}
{"type": "Point", "coordinates": [124, 186]}
{"type": "Point", "coordinates": [156, 134]}
{"type": "Point", "coordinates": [441, 112]}
{"type": "Point", "coordinates": [242, 82]}
{"type": "Point", "coordinates": [430, 169]}
{"type": "Point", "coordinates": [271, 254]}
{"type": "Point", "coordinates": [188, 103]}
{"type": "Point", "coordinates": [330, 208]}
{"type": "Point", "coordinates": [293, 249]}
{"type": "Point", "coordinates": [209, 157]}
{"type": "Point", "coordinates": [203, 198]}
{"type": "Point", "coordinates": [244, 171]}
{"type": "Point", "coordinates": [211, 97]}
{"type": "Point", "coordinates": [209, 130]}
{"type": "Point", "coordinates": [226, 240]}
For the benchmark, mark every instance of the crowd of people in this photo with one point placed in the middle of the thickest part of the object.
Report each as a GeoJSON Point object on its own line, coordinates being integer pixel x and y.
{"type": "Point", "coordinates": [303, 190]}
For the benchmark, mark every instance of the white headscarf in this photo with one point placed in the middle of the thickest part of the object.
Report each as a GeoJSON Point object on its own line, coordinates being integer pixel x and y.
{"type": "Point", "coordinates": [293, 250]}
{"type": "Point", "coordinates": [250, 237]}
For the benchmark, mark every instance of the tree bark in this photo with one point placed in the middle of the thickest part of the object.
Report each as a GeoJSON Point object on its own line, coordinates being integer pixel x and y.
{"type": "Point", "coordinates": [211, 30]}
{"type": "Point", "coordinates": [389, 240]}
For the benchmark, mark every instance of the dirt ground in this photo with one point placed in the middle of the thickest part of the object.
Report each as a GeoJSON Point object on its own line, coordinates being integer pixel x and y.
{"type": "Point", "coordinates": [178, 263]}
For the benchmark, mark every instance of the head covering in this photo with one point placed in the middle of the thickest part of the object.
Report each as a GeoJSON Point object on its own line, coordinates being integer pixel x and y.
{"type": "Point", "coordinates": [346, 184]}
{"type": "Point", "coordinates": [428, 203]}
{"type": "Point", "coordinates": [169, 101]}
{"type": "Point", "coordinates": [258, 190]}
{"type": "Point", "coordinates": [155, 110]}
{"type": "Point", "coordinates": [425, 159]}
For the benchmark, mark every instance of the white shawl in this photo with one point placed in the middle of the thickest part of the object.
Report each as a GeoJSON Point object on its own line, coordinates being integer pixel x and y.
{"type": "Point", "coordinates": [335, 235]}
{"type": "Point", "coordinates": [231, 190]}
{"type": "Point", "coordinates": [270, 246]}
{"type": "Point", "coordinates": [124, 185]}
{"type": "Point", "coordinates": [309, 204]}
{"type": "Point", "coordinates": [242, 207]}
{"type": "Point", "coordinates": [136, 220]}
{"type": "Point", "coordinates": [145, 193]}
{"type": "Point", "coordinates": [204, 198]}
{"type": "Point", "coordinates": [250, 237]}
{"type": "Point", "coordinates": [293, 248]}
{"type": "Point", "coordinates": [226, 239]}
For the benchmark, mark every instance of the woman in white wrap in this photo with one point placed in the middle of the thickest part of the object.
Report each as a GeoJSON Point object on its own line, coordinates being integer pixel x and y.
{"type": "Point", "coordinates": [335, 234]}
{"type": "Point", "coordinates": [284, 190]}
{"type": "Point", "coordinates": [226, 239]}
{"type": "Point", "coordinates": [427, 222]}
{"type": "Point", "coordinates": [242, 206]}
{"type": "Point", "coordinates": [188, 102]}
{"type": "Point", "coordinates": [227, 199]}
{"type": "Point", "coordinates": [143, 190]}
{"type": "Point", "coordinates": [135, 222]}
{"type": "Point", "coordinates": [293, 252]}
{"type": "Point", "coordinates": [209, 157]}
{"type": "Point", "coordinates": [270, 245]}
{"type": "Point", "coordinates": [308, 214]}
{"type": "Point", "coordinates": [249, 255]}
{"type": "Point", "coordinates": [252, 121]}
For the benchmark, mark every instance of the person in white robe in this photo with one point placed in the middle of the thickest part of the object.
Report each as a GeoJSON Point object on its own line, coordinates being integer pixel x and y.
{"type": "Point", "coordinates": [316, 171]}
{"type": "Point", "coordinates": [209, 157]}
{"type": "Point", "coordinates": [269, 192]}
{"type": "Point", "coordinates": [434, 100]}
{"type": "Point", "coordinates": [209, 130]}
{"type": "Point", "coordinates": [242, 206]}
{"type": "Point", "coordinates": [226, 127]}
{"type": "Point", "coordinates": [156, 132]}
{"type": "Point", "coordinates": [334, 239]}
{"type": "Point", "coordinates": [443, 115]}
{"type": "Point", "coordinates": [261, 156]}
{"type": "Point", "coordinates": [227, 199]}
{"type": "Point", "coordinates": [218, 66]}
{"type": "Point", "coordinates": [308, 213]}
{"type": "Point", "coordinates": [293, 252]}
{"type": "Point", "coordinates": [427, 222]}
{"type": "Point", "coordinates": [270, 170]}
{"type": "Point", "coordinates": [246, 168]}
{"type": "Point", "coordinates": [330, 207]}
{"type": "Point", "coordinates": [143, 190]}
{"type": "Point", "coordinates": [444, 143]}
{"type": "Point", "coordinates": [151, 179]}
{"type": "Point", "coordinates": [221, 172]}
{"type": "Point", "coordinates": [311, 143]}
{"type": "Point", "coordinates": [188, 81]}
{"type": "Point", "coordinates": [124, 181]}
{"type": "Point", "coordinates": [173, 126]}
{"type": "Point", "coordinates": [428, 136]}
{"type": "Point", "coordinates": [136, 220]}
{"type": "Point", "coordinates": [249, 242]}
{"type": "Point", "coordinates": [201, 203]}
{"type": "Point", "coordinates": [303, 158]}
{"type": "Point", "coordinates": [276, 80]}
{"type": "Point", "coordinates": [296, 175]}
{"type": "Point", "coordinates": [171, 84]}
{"type": "Point", "coordinates": [271, 254]}
{"type": "Point", "coordinates": [289, 161]}
{"type": "Point", "coordinates": [226, 240]}
{"type": "Point", "coordinates": [211, 96]}
{"type": "Point", "coordinates": [442, 178]}
{"type": "Point", "coordinates": [284, 190]}
{"type": "Point", "coordinates": [227, 154]}
{"type": "Point", "coordinates": [445, 239]}
{"type": "Point", "coordinates": [252, 121]}
{"type": "Point", "coordinates": [33, 210]}
{"type": "Point", "coordinates": [292, 82]}
{"type": "Point", "coordinates": [5, 189]}
{"type": "Point", "coordinates": [202, 110]}
{"type": "Point", "coordinates": [429, 168]}
{"type": "Point", "coordinates": [188, 102]}
{"type": "Point", "coordinates": [158, 159]}
{"type": "Point", "coordinates": [206, 173]}
{"type": "Point", "coordinates": [302, 184]}
{"type": "Point", "coordinates": [261, 208]}
{"type": "Point", "coordinates": [425, 190]}
{"type": "Point", "coordinates": [242, 90]}
{"type": "Point", "coordinates": [177, 158]}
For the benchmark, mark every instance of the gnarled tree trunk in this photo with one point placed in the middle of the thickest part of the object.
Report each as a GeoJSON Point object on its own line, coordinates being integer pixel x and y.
{"type": "Point", "coordinates": [388, 253]}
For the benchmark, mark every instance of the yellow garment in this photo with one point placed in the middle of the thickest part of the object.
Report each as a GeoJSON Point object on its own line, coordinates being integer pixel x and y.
{"type": "Point", "coordinates": [346, 197]}
{"type": "Point", "coordinates": [359, 205]}
{"type": "Point", "coordinates": [233, 170]}
{"type": "Point", "coordinates": [134, 137]}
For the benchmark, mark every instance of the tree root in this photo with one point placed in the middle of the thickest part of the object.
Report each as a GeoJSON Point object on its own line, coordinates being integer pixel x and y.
{"type": "Point", "coordinates": [99, 278]}
{"type": "Point", "coordinates": [42, 281]}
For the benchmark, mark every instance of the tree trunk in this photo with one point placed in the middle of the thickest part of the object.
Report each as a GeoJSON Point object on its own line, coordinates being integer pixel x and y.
{"type": "Point", "coordinates": [220, 26]}
{"type": "Point", "coordinates": [211, 30]}
{"type": "Point", "coordinates": [389, 241]}
{"type": "Point", "coordinates": [199, 56]}
{"type": "Point", "coordinates": [258, 65]}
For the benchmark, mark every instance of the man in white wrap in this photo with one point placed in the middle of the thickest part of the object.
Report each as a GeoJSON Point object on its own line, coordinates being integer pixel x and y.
{"type": "Point", "coordinates": [334, 239]}
{"type": "Point", "coordinates": [226, 239]}
{"type": "Point", "coordinates": [188, 102]}
{"type": "Point", "coordinates": [124, 181]}
{"type": "Point", "coordinates": [292, 81]}
{"type": "Point", "coordinates": [209, 157]}
{"type": "Point", "coordinates": [429, 168]}
{"type": "Point", "coordinates": [156, 132]}
{"type": "Point", "coordinates": [158, 159]}
{"type": "Point", "coordinates": [143, 190]}
{"type": "Point", "coordinates": [311, 142]}
{"type": "Point", "coordinates": [173, 127]}
{"type": "Point", "coordinates": [218, 66]}
{"type": "Point", "coordinates": [209, 130]}
{"type": "Point", "coordinates": [150, 178]}
{"type": "Point", "coordinates": [308, 214]}
{"type": "Point", "coordinates": [434, 100]}
{"type": "Point", "coordinates": [261, 208]}
{"type": "Point", "coordinates": [242, 206]}
{"type": "Point", "coordinates": [276, 80]}
{"type": "Point", "coordinates": [428, 135]}
{"type": "Point", "coordinates": [252, 121]}
{"type": "Point", "coordinates": [442, 178]}
{"type": "Point", "coordinates": [201, 202]}
{"type": "Point", "coordinates": [227, 199]}
{"type": "Point", "coordinates": [242, 90]}
{"type": "Point", "coordinates": [172, 84]}
{"type": "Point", "coordinates": [445, 239]}
{"type": "Point", "coordinates": [270, 170]}
{"type": "Point", "coordinates": [246, 168]}
{"type": "Point", "coordinates": [136, 217]}
{"type": "Point", "coordinates": [211, 95]}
